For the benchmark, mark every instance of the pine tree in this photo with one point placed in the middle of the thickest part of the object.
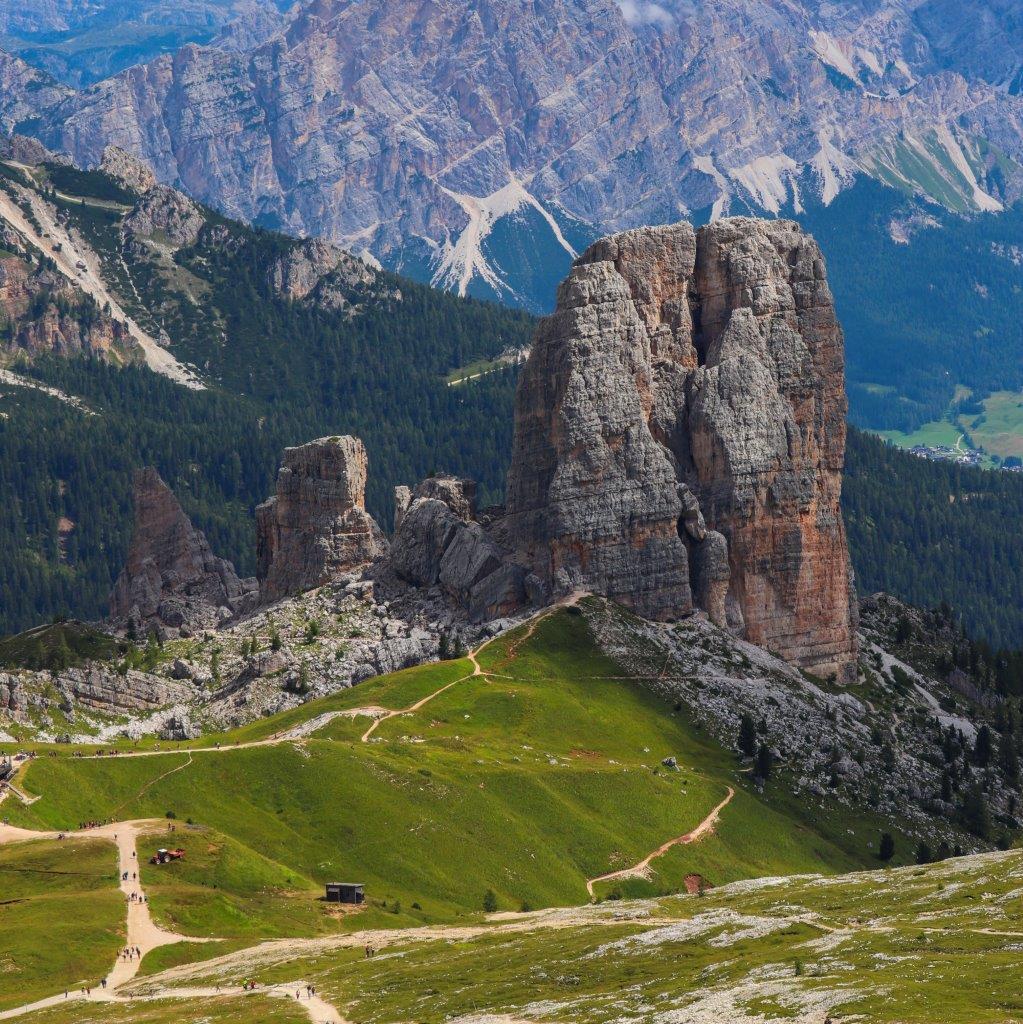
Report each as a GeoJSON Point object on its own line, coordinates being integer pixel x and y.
{"type": "Point", "coordinates": [946, 787]}
{"type": "Point", "coordinates": [975, 813]}
{"type": "Point", "coordinates": [1008, 759]}
{"type": "Point", "coordinates": [982, 747]}
{"type": "Point", "coordinates": [747, 734]}
{"type": "Point", "coordinates": [764, 762]}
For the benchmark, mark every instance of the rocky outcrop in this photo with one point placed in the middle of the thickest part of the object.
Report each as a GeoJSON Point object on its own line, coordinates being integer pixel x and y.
{"type": "Point", "coordinates": [438, 543]}
{"type": "Point", "coordinates": [127, 169]}
{"type": "Point", "coordinates": [172, 582]}
{"type": "Point", "coordinates": [316, 270]}
{"type": "Point", "coordinates": [102, 688]}
{"type": "Point", "coordinates": [316, 526]}
{"type": "Point", "coordinates": [12, 696]}
{"type": "Point", "coordinates": [31, 152]}
{"type": "Point", "coordinates": [680, 431]}
{"type": "Point", "coordinates": [165, 214]}
{"type": "Point", "coordinates": [47, 313]}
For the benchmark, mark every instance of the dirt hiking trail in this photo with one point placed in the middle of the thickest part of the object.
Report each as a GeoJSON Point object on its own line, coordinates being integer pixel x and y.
{"type": "Point", "coordinates": [642, 869]}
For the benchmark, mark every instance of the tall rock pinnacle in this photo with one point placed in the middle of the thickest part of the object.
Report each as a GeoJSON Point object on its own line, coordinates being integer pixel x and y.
{"type": "Point", "coordinates": [680, 434]}
{"type": "Point", "coordinates": [172, 580]}
{"type": "Point", "coordinates": [316, 526]}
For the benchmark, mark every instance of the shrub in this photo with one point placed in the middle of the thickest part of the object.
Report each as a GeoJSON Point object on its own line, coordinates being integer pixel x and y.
{"type": "Point", "coordinates": [887, 848]}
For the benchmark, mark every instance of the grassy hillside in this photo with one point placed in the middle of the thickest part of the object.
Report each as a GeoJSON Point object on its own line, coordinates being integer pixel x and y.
{"type": "Point", "coordinates": [906, 946]}
{"type": "Point", "coordinates": [450, 790]}
{"type": "Point", "coordinates": [547, 767]}
{"type": "Point", "coordinates": [61, 917]}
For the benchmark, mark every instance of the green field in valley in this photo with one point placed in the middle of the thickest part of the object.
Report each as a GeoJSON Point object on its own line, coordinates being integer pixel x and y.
{"type": "Point", "coordinates": [61, 917]}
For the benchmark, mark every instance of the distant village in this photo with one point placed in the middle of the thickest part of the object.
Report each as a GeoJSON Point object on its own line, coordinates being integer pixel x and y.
{"type": "Point", "coordinates": [964, 456]}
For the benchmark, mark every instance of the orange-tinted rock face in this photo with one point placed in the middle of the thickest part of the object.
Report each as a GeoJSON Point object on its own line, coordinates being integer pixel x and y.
{"type": "Point", "coordinates": [43, 312]}
{"type": "Point", "coordinates": [680, 432]}
{"type": "Point", "coordinates": [171, 579]}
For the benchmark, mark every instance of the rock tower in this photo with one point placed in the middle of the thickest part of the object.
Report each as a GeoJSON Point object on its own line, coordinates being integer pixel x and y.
{"type": "Point", "coordinates": [316, 526]}
{"type": "Point", "coordinates": [680, 436]}
{"type": "Point", "coordinates": [171, 580]}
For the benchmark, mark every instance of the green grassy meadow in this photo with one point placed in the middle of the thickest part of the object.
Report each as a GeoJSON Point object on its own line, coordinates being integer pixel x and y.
{"type": "Point", "coordinates": [61, 917]}
{"type": "Point", "coordinates": [526, 780]}
{"type": "Point", "coordinates": [548, 768]}
{"type": "Point", "coordinates": [998, 431]}
{"type": "Point", "coordinates": [914, 945]}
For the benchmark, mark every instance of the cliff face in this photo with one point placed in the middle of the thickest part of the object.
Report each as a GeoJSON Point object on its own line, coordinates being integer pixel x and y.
{"type": "Point", "coordinates": [680, 432]}
{"type": "Point", "coordinates": [43, 312]}
{"type": "Point", "coordinates": [172, 581]}
{"type": "Point", "coordinates": [387, 122]}
{"type": "Point", "coordinates": [316, 526]}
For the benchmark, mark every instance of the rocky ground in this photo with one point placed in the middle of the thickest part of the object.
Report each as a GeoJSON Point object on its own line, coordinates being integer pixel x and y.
{"type": "Point", "coordinates": [275, 658]}
{"type": "Point", "coordinates": [899, 740]}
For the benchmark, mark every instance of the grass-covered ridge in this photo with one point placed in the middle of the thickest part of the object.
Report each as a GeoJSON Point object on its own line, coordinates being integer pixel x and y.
{"type": "Point", "coordinates": [504, 781]}
{"type": "Point", "coordinates": [904, 946]}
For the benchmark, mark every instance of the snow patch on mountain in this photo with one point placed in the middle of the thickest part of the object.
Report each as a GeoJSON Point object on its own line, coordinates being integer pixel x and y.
{"type": "Point", "coordinates": [461, 260]}
{"type": "Point", "coordinates": [769, 180]}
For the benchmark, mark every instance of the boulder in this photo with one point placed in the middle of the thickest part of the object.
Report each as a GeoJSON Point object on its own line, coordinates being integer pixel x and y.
{"type": "Point", "coordinates": [435, 547]}
{"type": "Point", "coordinates": [179, 727]}
{"type": "Point", "coordinates": [457, 493]}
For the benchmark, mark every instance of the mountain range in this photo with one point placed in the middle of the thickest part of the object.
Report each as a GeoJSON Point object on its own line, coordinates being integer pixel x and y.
{"type": "Point", "coordinates": [625, 673]}
{"type": "Point", "coordinates": [447, 137]}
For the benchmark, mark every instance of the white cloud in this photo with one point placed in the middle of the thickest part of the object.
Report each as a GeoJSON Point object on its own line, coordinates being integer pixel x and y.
{"type": "Point", "coordinates": [645, 12]}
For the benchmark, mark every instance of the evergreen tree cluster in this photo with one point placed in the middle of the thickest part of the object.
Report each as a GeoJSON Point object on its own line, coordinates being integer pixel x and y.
{"type": "Point", "coordinates": [944, 309]}
{"type": "Point", "coordinates": [933, 532]}
{"type": "Point", "coordinates": [282, 373]}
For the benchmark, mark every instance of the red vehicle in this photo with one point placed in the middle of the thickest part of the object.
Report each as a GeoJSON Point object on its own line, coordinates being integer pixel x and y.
{"type": "Point", "coordinates": [166, 856]}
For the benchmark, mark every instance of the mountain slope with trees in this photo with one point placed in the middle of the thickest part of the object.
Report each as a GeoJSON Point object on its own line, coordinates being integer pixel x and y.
{"type": "Point", "coordinates": [282, 370]}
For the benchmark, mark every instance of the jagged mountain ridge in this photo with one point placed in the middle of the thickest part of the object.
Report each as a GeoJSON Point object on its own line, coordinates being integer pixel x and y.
{"type": "Point", "coordinates": [416, 129]}
{"type": "Point", "coordinates": [80, 43]}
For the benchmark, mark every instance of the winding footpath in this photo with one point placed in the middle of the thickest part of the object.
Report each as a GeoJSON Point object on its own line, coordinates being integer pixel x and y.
{"type": "Point", "coordinates": [642, 869]}
{"type": "Point", "coordinates": [144, 935]}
